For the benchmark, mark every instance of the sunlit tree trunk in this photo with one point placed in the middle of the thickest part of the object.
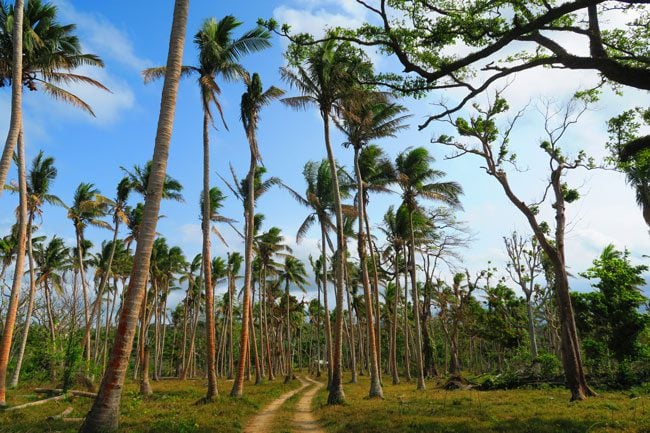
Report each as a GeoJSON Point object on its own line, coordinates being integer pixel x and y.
{"type": "Point", "coordinates": [104, 414]}
{"type": "Point", "coordinates": [30, 305]}
{"type": "Point", "coordinates": [10, 321]}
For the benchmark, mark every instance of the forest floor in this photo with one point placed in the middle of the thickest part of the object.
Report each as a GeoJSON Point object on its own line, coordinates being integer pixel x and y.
{"type": "Point", "coordinates": [301, 407]}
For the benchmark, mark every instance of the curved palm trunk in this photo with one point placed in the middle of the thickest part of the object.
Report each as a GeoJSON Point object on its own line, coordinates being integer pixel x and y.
{"type": "Point", "coordinates": [15, 123]}
{"type": "Point", "coordinates": [30, 305]}
{"type": "Point", "coordinates": [10, 321]}
{"type": "Point", "coordinates": [336, 394]}
{"type": "Point", "coordinates": [375, 382]}
{"type": "Point", "coordinates": [104, 414]}
{"type": "Point", "coordinates": [249, 208]}
{"type": "Point", "coordinates": [416, 307]}
{"type": "Point", "coordinates": [207, 266]}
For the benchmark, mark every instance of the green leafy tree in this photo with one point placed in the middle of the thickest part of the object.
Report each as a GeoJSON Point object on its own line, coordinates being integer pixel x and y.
{"type": "Point", "coordinates": [619, 288]}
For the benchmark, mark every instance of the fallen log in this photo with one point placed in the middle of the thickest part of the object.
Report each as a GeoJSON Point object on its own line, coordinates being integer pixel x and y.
{"type": "Point", "coordinates": [36, 403]}
{"type": "Point", "coordinates": [74, 392]}
{"type": "Point", "coordinates": [62, 415]}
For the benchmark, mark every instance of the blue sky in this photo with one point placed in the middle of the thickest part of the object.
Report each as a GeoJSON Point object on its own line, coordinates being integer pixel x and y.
{"type": "Point", "coordinates": [130, 36]}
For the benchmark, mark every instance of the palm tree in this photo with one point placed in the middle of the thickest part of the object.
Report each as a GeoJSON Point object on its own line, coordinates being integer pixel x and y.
{"type": "Point", "coordinates": [51, 55]}
{"type": "Point", "coordinates": [367, 116]}
{"type": "Point", "coordinates": [269, 244]}
{"type": "Point", "coordinates": [292, 272]}
{"type": "Point", "coordinates": [39, 180]}
{"type": "Point", "coordinates": [88, 206]}
{"type": "Point", "coordinates": [219, 56]}
{"type": "Point", "coordinates": [329, 71]}
{"type": "Point", "coordinates": [319, 199]}
{"type": "Point", "coordinates": [119, 209]}
{"type": "Point", "coordinates": [140, 177]}
{"type": "Point", "coordinates": [104, 414]}
{"type": "Point", "coordinates": [416, 178]}
{"type": "Point", "coordinates": [50, 261]}
{"type": "Point", "coordinates": [252, 102]}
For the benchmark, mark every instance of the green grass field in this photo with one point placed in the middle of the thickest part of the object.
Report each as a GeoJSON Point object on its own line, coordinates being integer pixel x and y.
{"type": "Point", "coordinates": [513, 411]}
{"type": "Point", "coordinates": [173, 408]}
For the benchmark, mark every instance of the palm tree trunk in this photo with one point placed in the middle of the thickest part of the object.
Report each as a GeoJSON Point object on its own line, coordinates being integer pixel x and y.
{"type": "Point", "coordinates": [375, 382]}
{"type": "Point", "coordinates": [249, 212]}
{"type": "Point", "coordinates": [231, 356]}
{"type": "Point", "coordinates": [266, 325]}
{"type": "Point", "coordinates": [318, 339]}
{"type": "Point", "coordinates": [351, 336]}
{"type": "Point", "coordinates": [328, 324]}
{"type": "Point", "coordinates": [394, 371]}
{"type": "Point", "coordinates": [104, 414]}
{"type": "Point", "coordinates": [407, 355]}
{"type": "Point", "coordinates": [10, 321]}
{"type": "Point", "coordinates": [207, 265]}
{"type": "Point", "coordinates": [15, 123]}
{"type": "Point", "coordinates": [30, 304]}
{"type": "Point", "coordinates": [416, 307]}
{"type": "Point", "coordinates": [289, 355]}
{"type": "Point", "coordinates": [84, 292]}
{"type": "Point", "coordinates": [258, 365]}
{"type": "Point", "coordinates": [336, 394]}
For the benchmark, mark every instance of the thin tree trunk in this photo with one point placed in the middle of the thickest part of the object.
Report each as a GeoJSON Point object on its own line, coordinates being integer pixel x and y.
{"type": "Point", "coordinates": [249, 213]}
{"type": "Point", "coordinates": [15, 123]}
{"type": "Point", "coordinates": [84, 293]}
{"type": "Point", "coordinates": [10, 321]}
{"type": "Point", "coordinates": [289, 356]}
{"type": "Point", "coordinates": [375, 382]}
{"type": "Point", "coordinates": [416, 308]}
{"type": "Point", "coordinates": [407, 357]}
{"type": "Point", "coordinates": [394, 372]}
{"type": "Point", "coordinates": [30, 305]}
{"type": "Point", "coordinates": [352, 336]}
{"type": "Point", "coordinates": [328, 324]}
{"type": "Point", "coordinates": [336, 394]}
{"type": "Point", "coordinates": [207, 266]}
{"type": "Point", "coordinates": [104, 414]}
{"type": "Point", "coordinates": [231, 355]}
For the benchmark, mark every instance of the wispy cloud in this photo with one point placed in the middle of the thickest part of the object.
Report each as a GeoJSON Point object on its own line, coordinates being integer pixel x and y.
{"type": "Point", "coordinates": [103, 37]}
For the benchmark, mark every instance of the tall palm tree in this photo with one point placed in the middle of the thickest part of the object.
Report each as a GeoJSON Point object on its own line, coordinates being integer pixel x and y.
{"type": "Point", "coordinates": [252, 102]}
{"type": "Point", "coordinates": [51, 55]}
{"type": "Point", "coordinates": [104, 414]}
{"type": "Point", "coordinates": [119, 210]}
{"type": "Point", "coordinates": [292, 272]}
{"type": "Point", "coordinates": [88, 206]}
{"type": "Point", "coordinates": [219, 57]}
{"type": "Point", "coordinates": [324, 80]}
{"type": "Point", "coordinates": [367, 116]}
{"type": "Point", "coordinates": [319, 199]}
{"type": "Point", "coordinates": [417, 179]}
{"type": "Point", "coordinates": [39, 180]}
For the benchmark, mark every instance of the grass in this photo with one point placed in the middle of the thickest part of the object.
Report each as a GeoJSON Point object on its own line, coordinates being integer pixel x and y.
{"type": "Point", "coordinates": [172, 409]}
{"type": "Point", "coordinates": [404, 409]}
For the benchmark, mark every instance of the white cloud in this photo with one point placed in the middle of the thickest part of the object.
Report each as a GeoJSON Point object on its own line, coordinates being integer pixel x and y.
{"type": "Point", "coordinates": [103, 37]}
